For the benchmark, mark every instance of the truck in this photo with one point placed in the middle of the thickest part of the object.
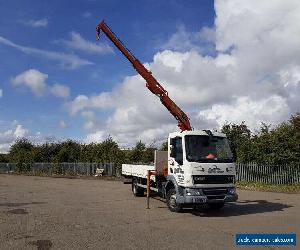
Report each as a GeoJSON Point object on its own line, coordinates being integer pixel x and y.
{"type": "Point", "coordinates": [198, 167]}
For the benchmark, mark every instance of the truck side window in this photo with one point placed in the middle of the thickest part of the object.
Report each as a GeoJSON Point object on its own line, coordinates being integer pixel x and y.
{"type": "Point", "coordinates": [179, 154]}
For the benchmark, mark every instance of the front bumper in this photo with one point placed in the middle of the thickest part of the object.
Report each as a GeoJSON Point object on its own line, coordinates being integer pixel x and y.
{"type": "Point", "coordinates": [212, 196]}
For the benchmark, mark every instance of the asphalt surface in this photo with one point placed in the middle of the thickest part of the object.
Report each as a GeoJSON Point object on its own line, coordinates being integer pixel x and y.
{"type": "Point", "coordinates": [61, 213]}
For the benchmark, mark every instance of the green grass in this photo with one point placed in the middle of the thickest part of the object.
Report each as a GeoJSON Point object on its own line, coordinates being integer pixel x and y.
{"type": "Point", "coordinates": [269, 187]}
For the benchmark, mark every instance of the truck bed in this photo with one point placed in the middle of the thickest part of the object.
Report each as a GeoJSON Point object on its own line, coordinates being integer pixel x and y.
{"type": "Point", "coordinates": [139, 170]}
{"type": "Point", "coordinates": [136, 170]}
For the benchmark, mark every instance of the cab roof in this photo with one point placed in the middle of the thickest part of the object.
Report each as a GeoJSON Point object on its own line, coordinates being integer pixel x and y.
{"type": "Point", "coordinates": [196, 132]}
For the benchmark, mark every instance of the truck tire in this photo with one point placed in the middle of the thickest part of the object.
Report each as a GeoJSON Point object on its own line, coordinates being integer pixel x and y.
{"type": "Point", "coordinates": [216, 206]}
{"type": "Point", "coordinates": [136, 190]}
{"type": "Point", "coordinates": [171, 201]}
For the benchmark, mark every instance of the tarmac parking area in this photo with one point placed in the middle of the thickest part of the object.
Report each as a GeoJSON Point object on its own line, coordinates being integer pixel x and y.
{"type": "Point", "coordinates": [61, 213]}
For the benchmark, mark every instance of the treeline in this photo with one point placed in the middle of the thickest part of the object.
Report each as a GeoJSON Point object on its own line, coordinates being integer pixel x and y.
{"type": "Point", "coordinates": [24, 151]}
{"type": "Point", "coordinates": [271, 145]}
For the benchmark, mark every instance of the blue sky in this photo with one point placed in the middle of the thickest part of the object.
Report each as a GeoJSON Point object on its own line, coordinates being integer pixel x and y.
{"type": "Point", "coordinates": [142, 25]}
{"type": "Point", "coordinates": [57, 81]}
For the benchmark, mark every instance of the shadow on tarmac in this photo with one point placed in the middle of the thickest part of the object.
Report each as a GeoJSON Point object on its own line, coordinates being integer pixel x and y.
{"type": "Point", "coordinates": [242, 207]}
{"type": "Point", "coordinates": [19, 204]}
{"type": "Point", "coordinates": [239, 208]}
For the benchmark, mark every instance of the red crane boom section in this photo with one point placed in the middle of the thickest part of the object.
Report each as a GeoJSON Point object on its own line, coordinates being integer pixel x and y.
{"type": "Point", "coordinates": [151, 83]}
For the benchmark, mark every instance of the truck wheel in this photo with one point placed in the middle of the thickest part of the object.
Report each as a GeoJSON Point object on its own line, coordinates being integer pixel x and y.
{"type": "Point", "coordinates": [136, 190]}
{"type": "Point", "coordinates": [171, 201]}
{"type": "Point", "coordinates": [216, 206]}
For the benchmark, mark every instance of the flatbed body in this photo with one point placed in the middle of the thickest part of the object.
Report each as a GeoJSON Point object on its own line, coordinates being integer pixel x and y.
{"type": "Point", "coordinates": [211, 181]}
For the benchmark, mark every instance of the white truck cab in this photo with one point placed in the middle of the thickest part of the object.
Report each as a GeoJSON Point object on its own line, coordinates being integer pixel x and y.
{"type": "Point", "coordinates": [200, 170]}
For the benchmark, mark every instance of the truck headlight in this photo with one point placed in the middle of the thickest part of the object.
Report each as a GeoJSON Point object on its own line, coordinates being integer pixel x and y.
{"type": "Point", "coordinates": [194, 192]}
{"type": "Point", "coordinates": [231, 191]}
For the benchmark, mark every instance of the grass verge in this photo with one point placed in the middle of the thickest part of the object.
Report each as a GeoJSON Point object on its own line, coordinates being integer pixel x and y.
{"type": "Point", "coordinates": [258, 186]}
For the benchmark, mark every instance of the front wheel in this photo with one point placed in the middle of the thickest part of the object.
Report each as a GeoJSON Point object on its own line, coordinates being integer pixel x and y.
{"type": "Point", "coordinates": [171, 201]}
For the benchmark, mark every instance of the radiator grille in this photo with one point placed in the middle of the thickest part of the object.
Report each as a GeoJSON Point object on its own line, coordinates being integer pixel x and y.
{"type": "Point", "coordinates": [213, 179]}
{"type": "Point", "coordinates": [213, 193]}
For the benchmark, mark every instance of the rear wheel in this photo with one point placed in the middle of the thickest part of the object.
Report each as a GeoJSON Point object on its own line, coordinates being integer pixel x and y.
{"type": "Point", "coordinates": [216, 206]}
{"type": "Point", "coordinates": [171, 201]}
{"type": "Point", "coordinates": [136, 190]}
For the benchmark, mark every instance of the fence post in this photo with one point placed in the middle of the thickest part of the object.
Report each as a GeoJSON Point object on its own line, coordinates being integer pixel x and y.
{"type": "Point", "coordinates": [289, 175]}
{"type": "Point", "coordinates": [278, 174]}
{"type": "Point", "coordinates": [242, 171]}
{"type": "Point", "coordinates": [298, 173]}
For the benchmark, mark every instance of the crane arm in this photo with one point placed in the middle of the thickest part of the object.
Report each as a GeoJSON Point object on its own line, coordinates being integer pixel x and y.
{"type": "Point", "coordinates": [151, 83]}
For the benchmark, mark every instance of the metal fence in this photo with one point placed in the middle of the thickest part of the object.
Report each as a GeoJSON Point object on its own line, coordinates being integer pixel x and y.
{"type": "Point", "coordinates": [250, 172]}
{"type": "Point", "coordinates": [81, 168]}
{"type": "Point", "coordinates": [272, 174]}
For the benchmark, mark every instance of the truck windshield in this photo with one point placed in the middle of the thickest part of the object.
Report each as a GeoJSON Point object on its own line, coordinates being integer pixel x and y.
{"type": "Point", "coordinates": [202, 148]}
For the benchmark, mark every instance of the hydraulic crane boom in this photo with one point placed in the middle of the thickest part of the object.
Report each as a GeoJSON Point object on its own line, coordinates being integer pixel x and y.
{"type": "Point", "coordinates": [151, 83]}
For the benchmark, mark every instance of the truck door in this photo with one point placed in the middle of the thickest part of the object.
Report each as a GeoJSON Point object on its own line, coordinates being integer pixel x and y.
{"type": "Point", "coordinates": [178, 151]}
{"type": "Point", "coordinates": [176, 158]}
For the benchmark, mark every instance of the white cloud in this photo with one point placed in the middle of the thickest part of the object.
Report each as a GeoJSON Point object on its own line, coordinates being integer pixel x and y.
{"type": "Point", "coordinates": [67, 61]}
{"type": "Point", "coordinates": [81, 102]}
{"type": "Point", "coordinates": [254, 76]}
{"type": "Point", "coordinates": [77, 42]}
{"type": "Point", "coordinates": [95, 137]}
{"type": "Point", "coordinates": [20, 131]}
{"type": "Point", "coordinates": [183, 40]}
{"type": "Point", "coordinates": [62, 124]}
{"type": "Point", "coordinates": [10, 136]}
{"type": "Point", "coordinates": [271, 110]}
{"type": "Point", "coordinates": [92, 121]}
{"type": "Point", "coordinates": [60, 90]}
{"type": "Point", "coordinates": [36, 82]}
{"type": "Point", "coordinates": [33, 79]}
{"type": "Point", "coordinates": [86, 14]}
{"type": "Point", "coordinates": [207, 34]}
{"type": "Point", "coordinates": [1, 93]}
{"type": "Point", "coordinates": [37, 23]}
{"type": "Point", "coordinates": [14, 123]}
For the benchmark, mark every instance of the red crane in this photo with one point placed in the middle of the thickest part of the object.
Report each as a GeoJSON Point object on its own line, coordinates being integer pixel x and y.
{"type": "Point", "coordinates": [151, 83]}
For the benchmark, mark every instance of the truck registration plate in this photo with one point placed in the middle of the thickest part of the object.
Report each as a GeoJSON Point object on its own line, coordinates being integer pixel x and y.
{"type": "Point", "coordinates": [199, 200]}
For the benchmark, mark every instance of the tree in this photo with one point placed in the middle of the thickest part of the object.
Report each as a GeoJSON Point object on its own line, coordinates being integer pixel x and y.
{"type": "Point", "coordinates": [148, 155]}
{"type": "Point", "coordinates": [88, 152]}
{"type": "Point", "coordinates": [137, 152]}
{"type": "Point", "coordinates": [280, 145]}
{"type": "Point", "coordinates": [46, 152]}
{"type": "Point", "coordinates": [164, 146]}
{"type": "Point", "coordinates": [69, 151]}
{"type": "Point", "coordinates": [273, 145]}
{"type": "Point", "coordinates": [4, 158]}
{"type": "Point", "coordinates": [106, 151]}
{"type": "Point", "coordinates": [239, 136]}
{"type": "Point", "coordinates": [295, 121]}
{"type": "Point", "coordinates": [20, 153]}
